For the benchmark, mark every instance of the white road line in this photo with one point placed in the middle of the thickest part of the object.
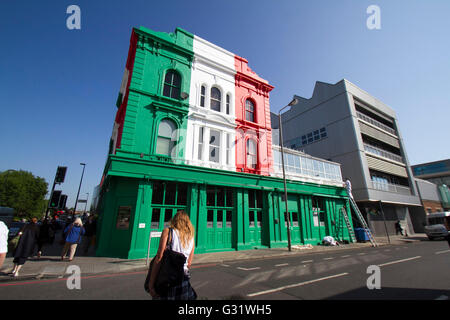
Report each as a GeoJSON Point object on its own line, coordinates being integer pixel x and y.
{"type": "Point", "coordinates": [295, 285]}
{"type": "Point", "coordinates": [328, 258]}
{"type": "Point", "coordinates": [398, 261]}
{"type": "Point", "coordinates": [248, 269]}
{"type": "Point", "coordinates": [347, 255]}
{"type": "Point", "coordinates": [282, 265]}
{"type": "Point", "coordinates": [361, 254]}
{"type": "Point", "coordinates": [439, 252]}
{"type": "Point", "coordinates": [306, 261]}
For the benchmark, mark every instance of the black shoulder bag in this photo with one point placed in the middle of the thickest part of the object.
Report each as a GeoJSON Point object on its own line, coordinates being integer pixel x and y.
{"type": "Point", "coordinates": [171, 271]}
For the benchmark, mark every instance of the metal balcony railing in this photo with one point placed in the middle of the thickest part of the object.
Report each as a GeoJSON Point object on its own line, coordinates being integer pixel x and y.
{"type": "Point", "coordinates": [382, 153]}
{"type": "Point", "coordinates": [389, 187]}
{"type": "Point", "coordinates": [376, 123]}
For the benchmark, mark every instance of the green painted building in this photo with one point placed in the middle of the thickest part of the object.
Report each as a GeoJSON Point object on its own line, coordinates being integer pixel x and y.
{"type": "Point", "coordinates": [147, 178]}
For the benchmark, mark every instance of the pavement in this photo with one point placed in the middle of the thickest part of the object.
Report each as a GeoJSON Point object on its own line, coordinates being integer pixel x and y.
{"type": "Point", "coordinates": [51, 266]}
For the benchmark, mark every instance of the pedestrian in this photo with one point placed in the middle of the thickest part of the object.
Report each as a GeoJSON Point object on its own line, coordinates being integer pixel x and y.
{"type": "Point", "coordinates": [448, 239]}
{"type": "Point", "coordinates": [70, 219]}
{"type": "Point", "coordinates": [89, 237]}
{"type": "Point", "coordinates": [3, 242]}
{"type": "Point", "coordinates": [348, 186]}
{"type": "Point", "coordinates": [72, 235]}
{"type": "Point", "coordinates": [183, 242]}
{"type": "Point", "coordinates": [46, 235]}
{"type": "Point", "coordinates": [25, 247]}
{"type": "Point", "coordinates": [398, 228]}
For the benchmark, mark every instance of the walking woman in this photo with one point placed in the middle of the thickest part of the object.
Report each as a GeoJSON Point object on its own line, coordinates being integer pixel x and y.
{"type": "Point", "coordinates": [25, 247]}
{"type": "Point", "coordinates": [72, 235]}
{"type": "Point", "coordinates": [183, 242]}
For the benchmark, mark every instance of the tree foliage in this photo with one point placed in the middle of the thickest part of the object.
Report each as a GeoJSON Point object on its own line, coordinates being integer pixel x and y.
{"type": "Point", "coordinates": [23, 192]}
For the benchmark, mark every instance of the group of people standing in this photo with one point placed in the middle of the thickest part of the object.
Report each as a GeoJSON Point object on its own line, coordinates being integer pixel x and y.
{"type": "Point", "coordinates": [40, 235]}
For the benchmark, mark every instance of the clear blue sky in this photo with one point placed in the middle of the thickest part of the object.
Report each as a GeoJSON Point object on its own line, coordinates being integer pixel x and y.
{"type": "Point", "coordinates": [59, 86]}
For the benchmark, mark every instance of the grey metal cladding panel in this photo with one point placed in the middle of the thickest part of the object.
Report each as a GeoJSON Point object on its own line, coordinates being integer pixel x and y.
{"type": "Point", "coordinates": [393, 197]}
{"type": "Point", "coordinates": [428, 191]}
{"type": "Point", "coordinates": [385, 166]}
{"type": "Point", "coordinates": [377, 134]}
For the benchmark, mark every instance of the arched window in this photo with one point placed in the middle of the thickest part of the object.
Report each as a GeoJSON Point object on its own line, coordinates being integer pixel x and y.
{"type": "Point", "coordinates": [249, 110]}
{"type": "Point", "coordinates": [252, 157]}
{"type": "Point", "coordinates": [165, 141]}
{"type": "Point", "coordinates": [216, 99]}
{"type": "Point", "coordinates": [202, 96]}
{"type": "Point", "coordinates": [172, 85]}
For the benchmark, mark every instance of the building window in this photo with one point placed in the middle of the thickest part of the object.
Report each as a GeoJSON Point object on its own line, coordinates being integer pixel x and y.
{"type": "Point", "coordinates": [318, 212]}
{"type": "Point", "coordinates": [214, 146]}
{"type": "Point", "coordinates": [228, 103]}
{"type": "Point", "coordinates": [164, 142]}
{"type": "Point", "coordinates": [255, 204]}
{"type": "Point", "coordinates": [216, 99]}
{"type": "Point", "coordinates": [220, 205]}
{"type": "Point", "coordinates": [316, 135]}
{"type": "Point", "coordinates": [251, 154]}
{"type": "Point", "coordinates": [172, 85]}
{"type": "Point", "coordinates": [304, 140]}
{"type": "Point", "coordinates": [249, 111]}
{"type": "Point", "coordinates": [200, 142]}
{"type": "Point", "coordinates": [167, 199]}
{"type": "Point", "coordinates": [228, 149]}
{"type": "Point", "coordinates": [202, 96]}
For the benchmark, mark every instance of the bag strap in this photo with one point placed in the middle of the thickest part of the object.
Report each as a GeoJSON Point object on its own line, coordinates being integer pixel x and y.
{"type": "Point", "coordinates": [169, 239]}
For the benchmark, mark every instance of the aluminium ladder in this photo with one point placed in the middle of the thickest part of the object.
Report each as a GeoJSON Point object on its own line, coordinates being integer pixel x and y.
{"type": "Point", "coordinates": [361, 219]}
{"type": "Point", "coordinates": [349, 226]}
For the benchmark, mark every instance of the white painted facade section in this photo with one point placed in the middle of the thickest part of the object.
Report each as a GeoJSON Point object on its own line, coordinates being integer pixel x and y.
{"type": "Point", "coordinates": [211, 134]}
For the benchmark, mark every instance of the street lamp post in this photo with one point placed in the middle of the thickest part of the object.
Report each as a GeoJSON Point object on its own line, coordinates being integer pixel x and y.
{"type": "Point", "coordinates": [76, 201]}
{"type": "Point", "coordinates": [85, 205]}
{"type": "Point", "coordinates": [280, 128]}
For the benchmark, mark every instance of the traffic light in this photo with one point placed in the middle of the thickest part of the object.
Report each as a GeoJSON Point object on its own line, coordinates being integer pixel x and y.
{"type": "Point", "coordinates": [60, 174]}
{"type": "Point", "coordinates": [54, 202]}
{"type": "Point", "coordinates": [62, 201]}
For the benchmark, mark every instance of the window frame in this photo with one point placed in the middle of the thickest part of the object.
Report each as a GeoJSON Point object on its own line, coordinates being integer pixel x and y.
{"type": "Point", "coordinates": [172, 142]}
{"type": "Point", "coordinates": [253, 112]}
{"type": "Point", "coordinates": [203, 96]}
{"type": "Point", "coordinates": [216, 147]}
{"type": "Point", "coordinates": [254, 156]}
{"type": "Point", "coordinates": [211, 99]}
{"type": "Point", "coordinates": [172, 84]}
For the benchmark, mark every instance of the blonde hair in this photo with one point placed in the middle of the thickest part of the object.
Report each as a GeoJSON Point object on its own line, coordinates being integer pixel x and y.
{"type": "Point", "coordinates": [78, 222]}
{"type": "Point", "coordinates": [183, 224]}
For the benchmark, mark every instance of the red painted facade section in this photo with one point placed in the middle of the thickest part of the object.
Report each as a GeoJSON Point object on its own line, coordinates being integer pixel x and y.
{"type": "Point", "coordinates": [249, 86]}
{"type": "Point", "coordinates": [120, 115]}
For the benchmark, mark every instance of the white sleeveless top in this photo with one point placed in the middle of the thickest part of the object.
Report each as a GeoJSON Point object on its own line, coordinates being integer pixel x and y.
{"type": "Point", "coordinates": [3, 237]}
{"type": "Point", "coordinates": [178, 247]}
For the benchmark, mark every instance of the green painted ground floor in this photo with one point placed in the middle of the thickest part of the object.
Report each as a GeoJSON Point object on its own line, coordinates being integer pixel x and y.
{"type": "Point", "coordinates": [229, 211]}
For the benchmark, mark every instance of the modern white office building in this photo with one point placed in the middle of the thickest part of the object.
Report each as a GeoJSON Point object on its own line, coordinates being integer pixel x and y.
{"type": "Point", "coordinates": [342, 123]}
